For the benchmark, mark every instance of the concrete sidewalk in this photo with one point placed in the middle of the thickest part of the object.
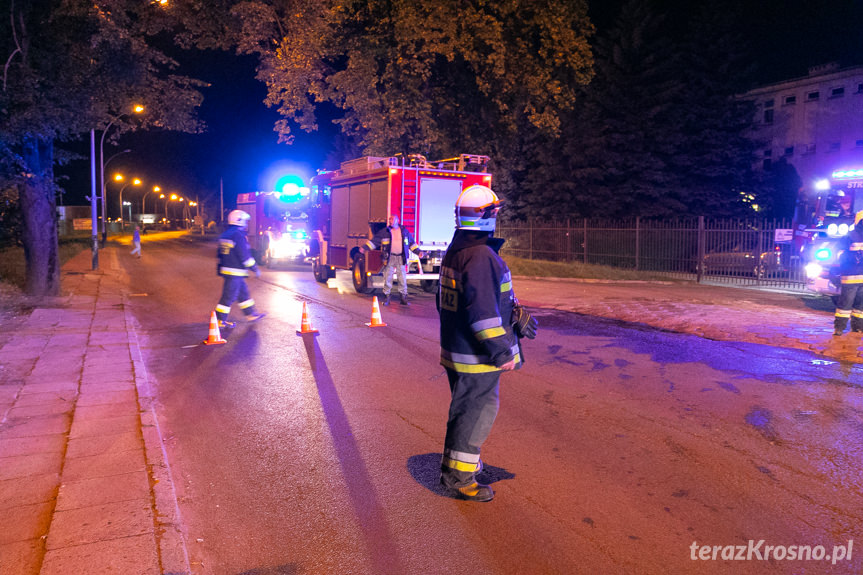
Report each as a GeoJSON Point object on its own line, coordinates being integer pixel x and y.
{"type": "Point", "coordinates": [84, 484]}
{"type": "Point", "coordinates": [84, 481]}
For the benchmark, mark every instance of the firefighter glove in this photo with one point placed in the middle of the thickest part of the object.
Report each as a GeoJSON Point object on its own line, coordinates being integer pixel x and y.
{"type": "Point", "coordinates": [523, 323]}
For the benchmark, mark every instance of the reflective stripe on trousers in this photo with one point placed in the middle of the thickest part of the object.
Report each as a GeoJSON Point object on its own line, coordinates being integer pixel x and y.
{"type": "Point", "coordinates": [234, 288]}
{"type": "Point", "coordinates": [473, 409]}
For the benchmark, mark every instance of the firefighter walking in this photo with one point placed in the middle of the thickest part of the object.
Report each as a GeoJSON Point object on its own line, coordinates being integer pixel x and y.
{"type": "Point", "coordinates": [395, 241]}
{"type": "Point", "coordinates": [477, 308]}
{"type": "Point", "coordinates": [850, 302]}
{"type": "Point", "coordinates": [235, 263]}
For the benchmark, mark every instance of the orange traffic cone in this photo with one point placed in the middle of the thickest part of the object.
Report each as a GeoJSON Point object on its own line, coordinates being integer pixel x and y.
{"type": "Point", "coordinates": [376, 315]}
{"type": "Point", "coordinates": [305, 325]}
{"type": "Point", "coordinates": [214, 337]}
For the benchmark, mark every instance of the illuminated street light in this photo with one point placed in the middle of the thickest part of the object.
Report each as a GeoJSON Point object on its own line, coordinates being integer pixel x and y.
{"type": "Point", "coordinates": [134, 182]}
{"type": "Point", "coordinates": [156, 190]}
{"type": "Point", "coordinates": [136, 109]}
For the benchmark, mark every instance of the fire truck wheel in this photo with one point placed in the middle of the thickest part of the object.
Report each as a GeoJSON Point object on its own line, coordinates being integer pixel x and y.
{"type": "Point", "coordinates": [319, 271]}
{"type": "Point", "coordinates": [359, 276]}
{"type": "Point", "coordinates": [429, 286]}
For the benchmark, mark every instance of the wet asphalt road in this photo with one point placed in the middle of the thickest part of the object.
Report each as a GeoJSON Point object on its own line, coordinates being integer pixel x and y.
{"type": "Point", "coordinates": [616, 448]}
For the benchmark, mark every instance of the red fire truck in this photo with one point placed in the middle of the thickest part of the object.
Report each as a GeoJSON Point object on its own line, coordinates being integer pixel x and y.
{"type": "Point", "coordinates": [351, 204]}
{"type": "Point", "coordinates": [279, 224]}
{"type": "Point", "coordinates": [825, 215]}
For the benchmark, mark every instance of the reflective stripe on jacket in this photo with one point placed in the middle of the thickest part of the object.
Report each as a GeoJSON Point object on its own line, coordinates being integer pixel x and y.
{"type": "Point", "coordinates": [235, 256]}
{"type": "Point", "coordinates": [851, 258]}
{"type": "Point", "coordinates": [384, 239]}
{"type": "Point", "coordinates": [475, 303]}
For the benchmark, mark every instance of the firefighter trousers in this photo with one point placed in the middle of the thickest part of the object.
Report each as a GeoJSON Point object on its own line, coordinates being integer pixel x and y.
{"type": "Point", "coordinates": [472, 411]}
{"type": "Point", "coordinates": [234, 289]}
{"type": "Point", "coordinates": [395, 263]}
{"type": "Point", "coordinates": [849, 305]}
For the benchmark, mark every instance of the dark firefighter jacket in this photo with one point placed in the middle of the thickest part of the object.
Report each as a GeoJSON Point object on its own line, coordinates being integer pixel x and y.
{"type": "Point", "coordinates": [851, 258]}
{"type": "Point", "coordinates": [235, 257]}
{"type": "Point", "coordinates": [384, 238]}
{"type": "Point", "coordinates": [475, 303]}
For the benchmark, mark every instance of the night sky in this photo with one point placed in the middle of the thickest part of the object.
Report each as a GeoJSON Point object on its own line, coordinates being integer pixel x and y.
{"type": "Point", "coordinates": [240, 146]}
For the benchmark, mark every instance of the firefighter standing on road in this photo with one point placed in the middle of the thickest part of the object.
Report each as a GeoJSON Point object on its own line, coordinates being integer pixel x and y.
{"type": "Point", "coordinates": [850, 303]}
{"type": "Point", "coordinates": [235, 262]}
{"type": "Point", "coordinates": [478, 341]}
{"type": "Point", "coordinates": [395, 241]}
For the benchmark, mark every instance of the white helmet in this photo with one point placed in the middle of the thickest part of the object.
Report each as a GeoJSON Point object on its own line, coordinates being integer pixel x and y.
{"type": "Point", "coordinates": [476, 209]}
{"type": "Point", "coordinates": [239, 218]}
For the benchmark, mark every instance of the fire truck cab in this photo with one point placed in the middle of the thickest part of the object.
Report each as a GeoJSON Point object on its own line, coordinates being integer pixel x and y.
{"type": "Point", "coordinates": [351, 204]}
{"type": "Point", "coordinates": [824, 219]}
{"type": "Point", "coordinates": [279, 225]}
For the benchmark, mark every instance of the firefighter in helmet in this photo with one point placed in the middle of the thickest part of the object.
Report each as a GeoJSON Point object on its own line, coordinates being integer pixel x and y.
{"type": "Point", "coordinates": [850, 302]}
{"type": "Point", "coordinates": [235, 262]}
{"type": "Point", "coordinates": [480, 326]}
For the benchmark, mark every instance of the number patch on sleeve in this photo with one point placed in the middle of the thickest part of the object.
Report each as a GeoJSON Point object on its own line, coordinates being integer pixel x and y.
{"type": "Point", "coordinates": [448, 299]}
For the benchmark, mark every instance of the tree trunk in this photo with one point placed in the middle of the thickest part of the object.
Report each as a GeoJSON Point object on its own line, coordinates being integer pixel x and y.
{"type": "Point", "coordinates": [39, 219]}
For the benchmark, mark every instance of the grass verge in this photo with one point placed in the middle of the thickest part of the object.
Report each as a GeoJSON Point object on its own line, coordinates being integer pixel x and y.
{"type": "Point", "coordinates": [540, 268]}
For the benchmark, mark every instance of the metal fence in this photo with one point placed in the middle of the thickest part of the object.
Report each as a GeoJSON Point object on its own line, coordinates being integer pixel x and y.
{"type": "Point", "coordinates": [740, 252]}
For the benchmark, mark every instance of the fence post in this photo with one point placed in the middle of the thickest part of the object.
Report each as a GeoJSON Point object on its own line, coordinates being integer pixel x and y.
{"type": "Point", "coordinates": [530, 235]}
{"type": "Point", "coordinates": [699, 266]}
{"type": "Point", "coordinates": [637, 240]}
{"type": "Point", "coordinates": [584, 240]}
{"type": "Point", "coordinates": [568, 255]}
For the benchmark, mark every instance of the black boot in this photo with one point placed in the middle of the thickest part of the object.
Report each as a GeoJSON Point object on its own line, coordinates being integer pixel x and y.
{"type": "Point", "coordinates": [839, 325]}
{"type": "Point", "coordinates": [463, 485]}
{"type": "Point", "coordinates": [387, 300]}
{"type": "Point", "coordinates": [856, 324]}
{"type": "Point", "coordinates": [404, 299]}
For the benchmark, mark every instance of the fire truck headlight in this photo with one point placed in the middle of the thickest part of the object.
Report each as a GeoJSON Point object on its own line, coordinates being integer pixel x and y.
{"type": "Point", "coordinates": [843, 229]}
{"type": "Point", "coordinates": [832, 230]}
{"type": "Point", "coordinates": [822, 254]}
{"type": "Point", "coordinates": [813, 270]}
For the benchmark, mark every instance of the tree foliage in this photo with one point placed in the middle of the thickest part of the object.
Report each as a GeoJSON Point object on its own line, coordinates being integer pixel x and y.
{"type": "Point", "coordinates": [72, 66]}
{"type": "Point", "coordinates": [661, 131]}
{"type": "Point", "coordinates": [437, 78]}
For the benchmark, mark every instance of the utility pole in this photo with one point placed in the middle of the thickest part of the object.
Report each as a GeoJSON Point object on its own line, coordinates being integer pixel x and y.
{"type": "Point", "coordinates": [94, 213]}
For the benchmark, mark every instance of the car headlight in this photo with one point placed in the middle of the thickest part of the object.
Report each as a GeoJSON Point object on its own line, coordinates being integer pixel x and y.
{"type": "Point", "coordinates": [813, 270]}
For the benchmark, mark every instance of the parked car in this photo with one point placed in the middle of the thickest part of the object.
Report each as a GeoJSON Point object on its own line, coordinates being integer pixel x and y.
{"type": "Point", "coordinates": [743, 258]}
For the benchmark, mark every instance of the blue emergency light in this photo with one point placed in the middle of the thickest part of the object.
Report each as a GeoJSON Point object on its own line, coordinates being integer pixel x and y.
{"type": "Point", "coordinates": [845, 174]}
{"type": "Point", "coordinates": [291, 188]}
{"type": "Point", "coordinates": [823, 254]}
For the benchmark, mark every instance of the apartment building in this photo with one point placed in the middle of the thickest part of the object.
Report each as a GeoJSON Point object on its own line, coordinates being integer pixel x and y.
{"type": "Point", "coordinates": [814, 123]}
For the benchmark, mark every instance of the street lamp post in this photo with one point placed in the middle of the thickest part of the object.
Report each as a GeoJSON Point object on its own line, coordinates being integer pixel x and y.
{"type": "Point", "coordinates": [137, 109]}
{"type": "Point", "coordinates": [156, 189]}
{"type": "Point", "coordinates": [93, 211]}
{"type": "Point", "coordinates": [134, 182]}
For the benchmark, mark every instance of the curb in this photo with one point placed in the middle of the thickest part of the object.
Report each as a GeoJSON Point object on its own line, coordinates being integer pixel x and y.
{"type": "Point", "coordinates": [173, 554]}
